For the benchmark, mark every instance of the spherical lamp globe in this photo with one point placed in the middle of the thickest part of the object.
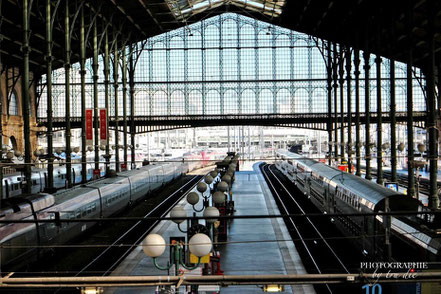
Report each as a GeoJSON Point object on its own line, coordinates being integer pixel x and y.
{"type": "Point", "coordinates": [214, 173]}
{"type": "Point", "coordinates": [211, 211]}
{"type": "Point", "coordinates": [200, 245]}
{"type": "Point", "coordinates": [153, 245]}
{"type": "Point", "coordinates": [178, 212]}
{"type": "Point", "coordinates": [226, 178]}
{"type": "Point", "coordinates": [208, 179]}
{"type": "Point", "coordinates": [222, 186]}
{"type": "Point", "coordinates": [193, 198]}
{"type": "Point", "coordinates": [201, 187]}
{"type": "Point", "coordinates": [219, 197]}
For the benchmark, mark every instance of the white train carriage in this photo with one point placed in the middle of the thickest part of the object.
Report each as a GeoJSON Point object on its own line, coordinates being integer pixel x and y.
{"type": "Point", "coordinates": [334, 191]}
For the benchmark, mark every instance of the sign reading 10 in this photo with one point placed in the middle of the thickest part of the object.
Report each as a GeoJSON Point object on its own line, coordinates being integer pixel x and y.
{"type": "Point", "coordinates": [375, 289]}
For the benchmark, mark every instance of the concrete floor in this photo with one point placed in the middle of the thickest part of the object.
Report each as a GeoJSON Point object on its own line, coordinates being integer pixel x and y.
{"type": "Point", "coordinates": [256, 246]}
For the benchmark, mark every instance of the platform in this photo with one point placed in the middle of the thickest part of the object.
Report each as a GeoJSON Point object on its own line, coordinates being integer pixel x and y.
{"type": "Point", "coordinates": [255, 246]}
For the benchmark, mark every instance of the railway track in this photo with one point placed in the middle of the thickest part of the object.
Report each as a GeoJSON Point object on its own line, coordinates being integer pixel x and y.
{"type": "Point", "coordinates": [111, 256]}
{"type": "Point", "coordinates": [318, 255]}
{"type": "Point", "coordinates": [424, 184]}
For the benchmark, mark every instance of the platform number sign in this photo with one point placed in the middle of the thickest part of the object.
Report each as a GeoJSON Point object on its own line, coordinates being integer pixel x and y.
{"type": "Point", "coordinates": [375, 289]}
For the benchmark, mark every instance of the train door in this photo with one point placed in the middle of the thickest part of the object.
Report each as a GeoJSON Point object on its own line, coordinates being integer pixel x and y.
{"type": "Point", "coordinates": [147, 182]}
{"type": "Point", "coordinates": [327, 196]}
{"type": "Point", "coordinates": [45, 180]}
{"type": "Point", "coordinates": [332, 202]}
{"type": "Point", "coordinates": [6, 185]}
{"type": "Point", "coordinates": [41, 182]}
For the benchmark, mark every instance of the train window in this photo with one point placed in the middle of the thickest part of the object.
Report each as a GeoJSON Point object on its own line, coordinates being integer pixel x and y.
{"type": "Point", "coordinates": [51, 225]}
{"type": "Point", "coordinates": [16, 186]}
{"type": "Point", "coordinates": [34, 182]}
{"type": "Point", "coordinates": [78, 213]}
{"type": "Point", "coordinates": [84, 213]}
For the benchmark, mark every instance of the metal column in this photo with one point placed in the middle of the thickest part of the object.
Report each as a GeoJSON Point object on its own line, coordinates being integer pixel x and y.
{"type": "Point", "coordinates": [124, 92]}
{"type": "Point", "coordinates": [335, 85]}
{"type": "Point", "coordinates": [379, 124]}
{"type": "Point", "coordinates": [367, 147]}
{"type": "Point", "coordinates": [132, 106]}
{"type": "Point", "coordinates": [25, 97]}
{"type": "Point", "coordinates": [432, 115]}
{"type": "Point", "coordinates": [115, 86]}
{"type": "Point", "coordinates": [95, 94]}
{"type": "Point", "coordinates": [342, 103]}
{"type": "Point", "coordinates": [410, 156]}
{"type": "Point", "coordinates": [393, 122]}
{"type": "Point", "coordinates": [83, 98]}
{"type": "Point", "coordinates": [228, 138]}
{"type": "Point", "coordinates": [106, 94]}
{"type": "Point", "coordinates": [50, 159]}
{"type": "Point", "coordinates": [67, 93]}
{"type": "Point", "coordinates": [349, 97]}
{"type": "Point", "coordinates": [357, 111]}
{"type": "Point", "coordinates": [329, 88]}
{"type": "Point", "coordinates": [1, 116]}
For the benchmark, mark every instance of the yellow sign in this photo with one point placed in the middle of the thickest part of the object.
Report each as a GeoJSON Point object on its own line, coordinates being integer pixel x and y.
{"type": "Point", "coordinates": [204, 259]}
{"type": "Point", "coordinates": [216, 224]}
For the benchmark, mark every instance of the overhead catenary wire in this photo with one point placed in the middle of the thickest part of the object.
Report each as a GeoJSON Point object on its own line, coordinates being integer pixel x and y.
{"type": "Point", "coordinates": [256, 216]}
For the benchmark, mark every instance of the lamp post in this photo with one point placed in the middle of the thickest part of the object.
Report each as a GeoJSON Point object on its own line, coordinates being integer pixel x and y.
{"type": "Point", "coordinates": [178, 212]}
{"type": "Point", "coordinates": [154, 246]}
{"type": "Point", "coordinates": [400, 148]}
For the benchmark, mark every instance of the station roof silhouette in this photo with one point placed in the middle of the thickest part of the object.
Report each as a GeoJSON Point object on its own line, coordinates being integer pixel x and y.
{"type": "Point", "coordinates": [383, 26]}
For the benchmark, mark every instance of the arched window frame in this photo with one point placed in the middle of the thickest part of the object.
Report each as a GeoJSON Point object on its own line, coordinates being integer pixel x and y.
{"type": "Point", "coordinates": [13, 104]}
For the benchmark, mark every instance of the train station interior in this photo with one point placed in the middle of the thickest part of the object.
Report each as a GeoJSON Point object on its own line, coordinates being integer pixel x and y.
{"type": "Point", "coordinates": [220, 146]}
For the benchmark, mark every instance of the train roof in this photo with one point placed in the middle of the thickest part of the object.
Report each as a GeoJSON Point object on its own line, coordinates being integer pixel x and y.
{"type": "Point", "coordinates": [64, 195]}
{"type": "Point", "coordinates": [366, 189]}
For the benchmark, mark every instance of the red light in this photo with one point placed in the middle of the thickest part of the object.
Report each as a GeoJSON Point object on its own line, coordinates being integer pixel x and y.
{"type": "Point", "coordinates": [412, 270]}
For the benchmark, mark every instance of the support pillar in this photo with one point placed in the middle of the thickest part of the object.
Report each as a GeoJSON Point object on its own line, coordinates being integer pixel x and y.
{"type": "Point", "coordinates": [228, 138]}
{"type": "Point", "coordinates": [329, 88]}
{"type": "Point", "coordinates": [342, 104]}
{"type": "Point", "coordinates": [1, 117]}
{"type": "Point", "coordinates": [67, 94]}
{"type": "Point", "coordinates": [432, 115]}
{"type": "Point", "coordinates": [25, 97]}
{"type": "Point", "coordinates": [357, 111]}
{"type": "Point", "coordinates": [335, 85]}
{"type": "Point", "coordinates": [349, 97]}
{"type": "Point", "coordinates": [95, 95]}
{"type": "Point", "coordinates": [409, 86]}
{"type": "Point", "coordinates": [132, 106]}
{"type": "Point", "coordinates": [115, 86]}
{"type": "Point", "coordinates": [393, 122]}
{"type": "Point", "coordinates": [124, 92]}
{"type": "Point", "coordinates": [49, 133]}
{"type": "Point", "coordinates": [83, 99]}
{"type": "Point", "coordinates": [380, 179]}
{"type": "Point", "coordinates": [368, 115]}
{"type": "Point", "coordinates": [106, 94]}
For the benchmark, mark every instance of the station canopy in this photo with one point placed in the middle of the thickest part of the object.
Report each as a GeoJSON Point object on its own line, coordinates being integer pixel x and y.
{"type": "Point", "coordinates": [383, 26]}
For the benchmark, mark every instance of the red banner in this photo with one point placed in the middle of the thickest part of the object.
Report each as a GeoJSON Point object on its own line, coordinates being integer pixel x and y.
{"type": "Point", "coordinates": [103, 124]}
{"type": "Point", "coordinates": [89, 126]}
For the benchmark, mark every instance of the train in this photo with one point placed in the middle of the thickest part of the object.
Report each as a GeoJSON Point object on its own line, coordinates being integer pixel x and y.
{"type": "Point", "coordinates": [97, 199]}
{"type": "Point", "coordinates": [334, 191]}
{"type": "Point", "coordinates": [13, 184]}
